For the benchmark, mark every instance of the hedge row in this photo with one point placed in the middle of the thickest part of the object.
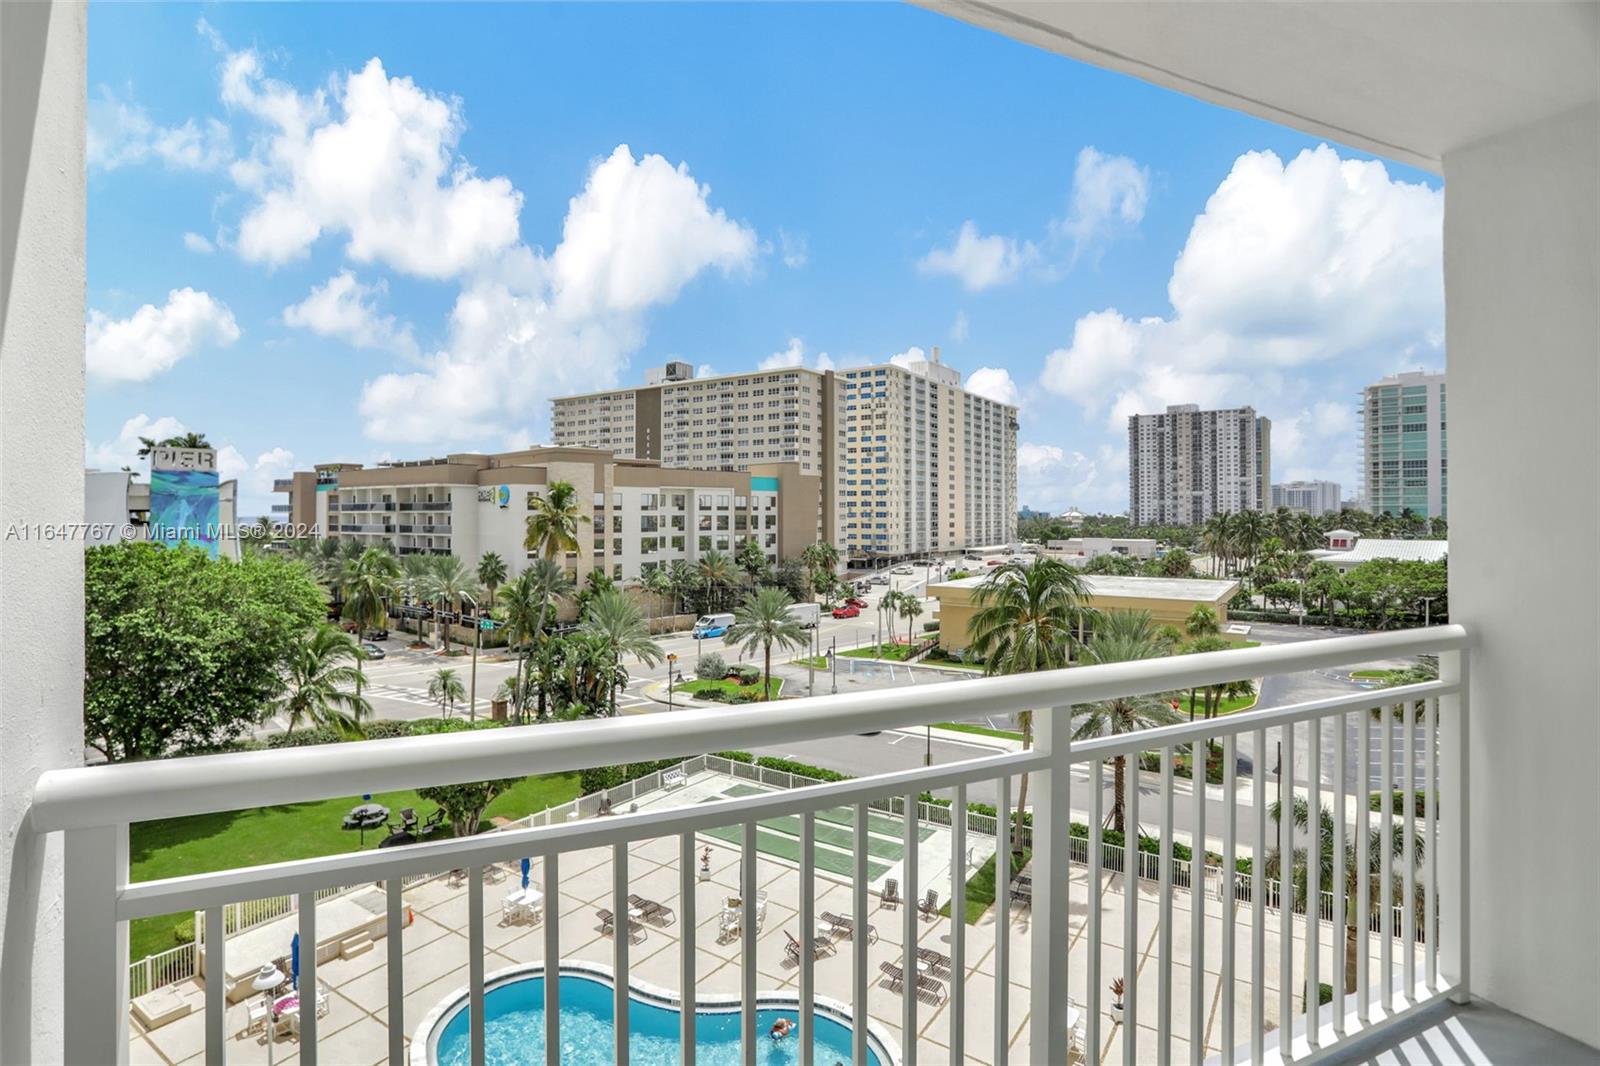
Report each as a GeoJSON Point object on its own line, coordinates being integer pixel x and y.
{"type": "Point", "coordinates": [382, 729]}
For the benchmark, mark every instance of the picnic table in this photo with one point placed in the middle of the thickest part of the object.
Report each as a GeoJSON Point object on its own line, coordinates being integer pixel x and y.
{"type": "Point", "coordinates": [366, 816]}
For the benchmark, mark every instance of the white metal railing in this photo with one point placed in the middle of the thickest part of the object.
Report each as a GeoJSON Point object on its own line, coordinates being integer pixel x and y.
{"type": "Point", "coordinates": [1417, 868]}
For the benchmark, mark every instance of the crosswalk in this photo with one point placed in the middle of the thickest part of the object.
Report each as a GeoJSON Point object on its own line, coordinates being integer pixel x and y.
{"type": "Point", "coordinates": [418, 697]}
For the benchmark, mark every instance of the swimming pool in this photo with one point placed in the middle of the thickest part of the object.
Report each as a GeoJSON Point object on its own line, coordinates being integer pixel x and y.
{"type": "Point", "coordinates": [514, 1025]}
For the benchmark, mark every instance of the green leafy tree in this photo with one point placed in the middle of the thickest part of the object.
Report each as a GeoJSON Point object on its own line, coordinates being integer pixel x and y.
{"type": "Point", "coordinates": [464, 804]}
{"type": "Point", "coordinates": [491, 573]}
{"type": "Point", "coordinates": [554, 521]}
{"type": "Point", "coordinates": [1027, 615]}
{"type": "Point", "coordinates": [526, 603]}
{"type": "Point", "coordinates": [819, 558]}
{"type": "Point", "coordinates": [615, 620]}
{"type": "Point", "coordinates": [761, 621]}
{"type": "Point", "coordinates": [716, 577]}
{"type": "Point", "coordinates": [750, 558]}
{"type": "Point", "coordinates": [1120, 637]}
{"type": "Point", "coordinates": [184, 652]}
{"type": "Point", "coordinates": [319, 681]}
{"type": "Point", "coordinates": [445, 689]}
{"type": "Point", "coordinates": [658, 583]}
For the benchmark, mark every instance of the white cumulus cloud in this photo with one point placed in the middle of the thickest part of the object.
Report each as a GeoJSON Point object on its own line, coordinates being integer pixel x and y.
{"type": "Point", "coordinates": [123, 449]}
{"type": "Point", "coordinates": [994, 382]}
{"type": "Point", "coordinates": [372, 158]}
{"type": "Point", "coordinates": [795, 355]}
{"type": "Point", "coordinates": [1052, 478]}
{"type": "Point", "coordinates": [1109, 192]}
{"type": "Point", "coordinates": [794, 249]}
{"type": "Point", "coordinates": [198, 244]}
{"type": "Point", "coordinates": [343, 307]}
{"type": "Point", "coordinates": [979, 261]}
{"type": "Point", "coordinates": [154, 339]}
{"type": "Point", "coordinates": [122, 133]}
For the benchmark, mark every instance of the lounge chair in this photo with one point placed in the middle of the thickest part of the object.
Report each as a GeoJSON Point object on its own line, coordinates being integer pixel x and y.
{"type": "Point", "coordinates": [937, 961]}
{"type": "Point", "coordinates": [820, 946]}
{"type": "Point", "coordinates": [408, 819]}
{"type": "Point", "coordinates": [636, 931]}
{"type": "Point", "coordinates": [435, 821]}
{"type": "Point", "coordinates": [929, 905]}
{"type": "Point", "coordinates": [891, 893]}
{"type": "Point", "coordinates": [258, 1013]}
{"type": "Point", "coordinates": [650, 910]}
{"type": "Point", "coordinates": [846, 927]}
{"type": "Point", "coordinates": [894, 973]}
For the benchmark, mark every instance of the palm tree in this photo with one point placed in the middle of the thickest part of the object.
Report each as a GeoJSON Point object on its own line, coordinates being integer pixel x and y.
{"type": "Point", "coordinates": [716, 575]}
{"type": "Point", "coordinates": [449, 583]}
{"type": "Point", "coordinates": [658, 583]}
{"type": "Point", "coordinates": [554, 521]}
{"type": "Point", "coordinates": [491, 573]}
{"type": "Point", "coordinates": [616, 620]}
{"type": "Point", "coordinates": [761, 621]}
{"type": "Point", "coordinates": [445, 688]}
{"type": "Point", "coordinates": [910, 610]}
{"type": "Point", "coordinates": [1250, 532]}
{"type": "Point", "coordinates": [818, 558]}
{"type": "Point", "coordinates": [1026, 616]}
{"type": "Point", "coordinates": [368, 581]}
{"type": "Point", "coordinates": [316, 686]}
{"type": "Point", "coordinates": [182, 440]}
{"type": "Point", "coordinates": [1202, 621]}
{"type": "Point", "coordinates": [1299, 875]}
{"type": "Point", "coordinates": [525, 604]}
{"type": "Point", "coordinates": [1120, 637]}
{"type": "Point", "coordinates": [1217, 538]}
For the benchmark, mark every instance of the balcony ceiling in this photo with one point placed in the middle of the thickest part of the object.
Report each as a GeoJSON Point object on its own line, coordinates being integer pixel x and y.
{"type": "Point", "coordinates": [1410, 81]}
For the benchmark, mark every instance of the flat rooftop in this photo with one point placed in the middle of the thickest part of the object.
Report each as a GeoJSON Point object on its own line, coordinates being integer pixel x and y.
{"type": "Point", "coordinates": [1137, 588]}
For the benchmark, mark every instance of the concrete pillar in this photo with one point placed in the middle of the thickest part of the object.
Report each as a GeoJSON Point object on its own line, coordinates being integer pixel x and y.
{"type": "Point", "coordinates": [1522, 288]}
{"type": "Point", "coordinates": [43, 74]}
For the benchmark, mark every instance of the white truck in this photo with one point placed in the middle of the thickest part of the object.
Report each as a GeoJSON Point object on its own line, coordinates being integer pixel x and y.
{"type": "Point", "coordinates": [807, 614]}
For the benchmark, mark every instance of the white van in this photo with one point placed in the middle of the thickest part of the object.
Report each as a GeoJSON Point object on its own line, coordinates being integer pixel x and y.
{"type": "Point", "coordinates": [712, 625]}
{"type": "Point", "coordinates": [807, 614]}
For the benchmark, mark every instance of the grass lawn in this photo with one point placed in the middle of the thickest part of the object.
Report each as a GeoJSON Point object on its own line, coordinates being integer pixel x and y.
{"type": "Point", "coordinates": [202, 843]}
{"type": "Point", "coordinates": [979, 730]}
{"type": "Point", "coordinates": [730, 686]}
{"type": "Point", "coordinates": [818, 661]}
{"type": "Point", "coordinates": [980, 887]}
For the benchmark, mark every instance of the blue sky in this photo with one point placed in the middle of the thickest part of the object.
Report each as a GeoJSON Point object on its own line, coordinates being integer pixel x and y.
{"type": "Point", "coordinates": [367, 231]}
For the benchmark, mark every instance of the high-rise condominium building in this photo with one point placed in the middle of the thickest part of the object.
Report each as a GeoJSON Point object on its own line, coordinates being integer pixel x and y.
{"type": "Point", "coordinates": [910, 462]}
{"type": "Point", "coordinates": [1404, 448]}
{"type": "Point", "coordinates": [640, 514]}
{"type": "Point", "coordinates": [1307, 497]}
{"type": "Point", "coordinates": [1187, 464]}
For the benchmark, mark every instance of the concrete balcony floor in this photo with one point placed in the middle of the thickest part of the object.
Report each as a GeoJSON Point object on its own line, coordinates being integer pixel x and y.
{"type": "Point", "coordinates": [1477, 1034]}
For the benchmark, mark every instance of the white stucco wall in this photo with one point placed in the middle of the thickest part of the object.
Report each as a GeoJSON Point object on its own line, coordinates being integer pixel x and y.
{"type": "Point", "coordinates": [1521, 291]}
{"type": "Point", "coordinates": [43, 63]}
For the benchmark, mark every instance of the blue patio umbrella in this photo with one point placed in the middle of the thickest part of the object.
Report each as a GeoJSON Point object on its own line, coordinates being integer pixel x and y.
{"type": "Point", "coordinates": [526, 864]}
{"type": "Point", "coordinates": [294, 960]}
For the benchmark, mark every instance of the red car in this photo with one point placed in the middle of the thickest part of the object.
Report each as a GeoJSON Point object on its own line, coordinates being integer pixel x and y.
{"type": "Point", "coordinates": [857, 602]}
{"type": "Point", "coordinates": [849, 610]}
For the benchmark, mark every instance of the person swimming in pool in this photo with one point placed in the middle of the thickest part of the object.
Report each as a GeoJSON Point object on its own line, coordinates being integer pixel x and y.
{"type": "Point", "coordinates": [781, 1029]}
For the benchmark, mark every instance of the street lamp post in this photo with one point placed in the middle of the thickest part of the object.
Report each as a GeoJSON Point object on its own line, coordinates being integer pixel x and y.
{"type": "Point", "coordinates": [477, 641]}
{"type": "Point", "coordinates": [833, 663]}
{"type": "Point", "coordinates": [672, 658]}
{"type": "Point", "coordinates": [1427, 609]}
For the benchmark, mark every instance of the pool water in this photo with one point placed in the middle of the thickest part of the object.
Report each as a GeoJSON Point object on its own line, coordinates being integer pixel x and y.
{"type": "Point", "coordinates": [513, 1031]}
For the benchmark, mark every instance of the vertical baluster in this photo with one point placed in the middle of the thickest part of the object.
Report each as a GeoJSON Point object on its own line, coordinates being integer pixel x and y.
{"type": "Point", "coordinates": [747, 968]}
{"type": "Point", "coordinates": [621, 939]}
{"type": "Point", "coordinates": [94, 948]}
{"type": "Point", "coordinates": [908, 988]}
{"type": "Point", "coordinates": [687, 924]}
{"type": "Point", "coordinates": [216, 992]}
{"type": "Point", "coordinates": [1364, 870]}
{"type": "Point", "coordinates": [1096, 936]}
{"type": "Point", "coordinates": [808, 928]}
{"type": "Point", "coordinates": [1164, 942]}
{"type": "Point", "coordinates": [1341, 910]}
{"type": "Point", "coordinates": [1313, 995]}
{"type": "Point", "coordinates": [1199, 756]}
{"type": "Point", "coordinates": [1430, 843]}
{"type": "Point", "coordinates": [1408, 906]}
{"type": "Point", "coordinates": [958, 926]}
{"type": "Point", "coordinates": [1002, 924]}
{"type": "Point", "coordinates": [1048, 1026]}
{"type": "Point", "coordinates": [1258, 903]}
{"type": "Point", "coordinates": [1455, 786]}
{"type": "Point", "coordinates": [474, 962]}
{"type": "Point", "coordinates": [552, 959]}
{"type": "Point", "coordinates": [394, 942]}
{"type": "Point", "coordinates": [1229, 893]}
{"type": "Point", "coordinates": [858, 943]}
{"type": "Point", "coordinates": [308, 978]}
{"type": "Point", "coordinates": [1286, 980]}
{"type": "Point", "coordinates": [1130, 910]}
{"type": "Point", "coordinates": [1386, 866]}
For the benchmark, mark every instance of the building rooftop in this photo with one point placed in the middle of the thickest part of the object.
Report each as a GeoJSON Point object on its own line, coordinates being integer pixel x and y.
{"type": "Point", "coordinates": [1367, 549]}
{"type": "Point", "coordinates": [1144, 588]}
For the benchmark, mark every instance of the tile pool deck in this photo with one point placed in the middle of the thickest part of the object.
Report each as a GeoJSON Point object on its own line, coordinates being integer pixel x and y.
{"type": "Point", "coordinates": [355, 1030]}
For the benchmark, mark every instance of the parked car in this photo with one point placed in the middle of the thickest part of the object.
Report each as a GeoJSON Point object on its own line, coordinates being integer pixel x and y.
{"type": "Point", "coordinates": [847, 611]}
{"type": "Point", "coordinates": [807, 614]}
{"type": "Point", "coordinates": [377, 634]}
{"type": "Point", "coordinates": [857, 602]}
{"type": "Point", "coordinates": [878, 579]}
{"type": "Point", "coordinates": [903, 571]}
{"type": "Point", "coordinates": [372, 650]}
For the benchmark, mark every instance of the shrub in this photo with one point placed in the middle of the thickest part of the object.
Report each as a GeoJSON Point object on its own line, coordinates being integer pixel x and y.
{"type": "Point", "coordinates": [711, 668]}
{"type": "Point", "coordinates": [931, 627]}
{"type": "Point", "coordinates": [1397, 803]}
{"type": "Point", "coordinates": [304, 738]}
{"type": "Point", "coordinates": [748, 675]}
{"type": "Point", "coordinates": [183, 932]}
{"type": "Point", "coordinates": [599, 778]}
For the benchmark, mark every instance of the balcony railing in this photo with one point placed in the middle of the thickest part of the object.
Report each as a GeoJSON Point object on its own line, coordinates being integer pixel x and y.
{"type": "Point", "coordinates": [1226, 920]}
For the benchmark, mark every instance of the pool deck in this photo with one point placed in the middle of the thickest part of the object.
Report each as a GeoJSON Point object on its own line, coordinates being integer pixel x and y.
{"type": "Point", "coordinates": [436, 946]}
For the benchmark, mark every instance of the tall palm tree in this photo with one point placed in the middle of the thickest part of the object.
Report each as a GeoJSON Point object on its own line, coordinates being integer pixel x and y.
{"type": "Point", "coordinates": [716, 576]}
{"type": "Point", "coordinates": [445, 689]}
{"type": "Point", "coordinates": [450, 582]}
{"type": "Point", "coordinates": [658, 583]}
{"type": "Point", "coordinates": [1121, 637]}
{"type": "Point", "coordinates": [1217, 538]}
{"type": "Point", "coordinates": [1027, 613]}
{"type": "Point", "coordinates": [818, 558]}
{"type": "Point", "coordinates": [554, 521]}
{"type": "Point", "coordinates": [368, 581]}
{"type": "Point", "coordinates": [491, 573]}
{"type": "Point", "coordinates": [617, 621]}
{"type": "Point", "coordinates": [1250, 532]}
{"type": "Point", "coordinates": [1202, 621]}
{"type": "Point", "coordinates": [761, 621]}
{"type": "Point", "coordinates": [911, 610]}
{"type": "Point", "coordinates": [317, 683]}
{"type": "Point", "coordinates": [526, 603]}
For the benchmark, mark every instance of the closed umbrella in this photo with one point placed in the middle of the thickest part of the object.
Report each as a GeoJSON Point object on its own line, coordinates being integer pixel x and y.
{"type": "Point", "coordinates": [526, 865]}
{"type": "Point", "coordinates": [294, 961]}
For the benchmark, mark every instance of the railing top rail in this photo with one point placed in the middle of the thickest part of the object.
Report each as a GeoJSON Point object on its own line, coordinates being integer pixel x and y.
{"type": "Point", "coordinates": [133, 792]}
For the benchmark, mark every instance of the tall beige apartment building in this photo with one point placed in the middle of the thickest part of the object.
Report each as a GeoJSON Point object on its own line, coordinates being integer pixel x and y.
{"type": "Point", "coordinates": [910, 462]}
{"type": "Point", "coordinates": [1185, 464]}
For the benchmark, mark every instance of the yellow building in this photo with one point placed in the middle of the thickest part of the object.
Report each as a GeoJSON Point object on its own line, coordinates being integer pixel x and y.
{"type": "Point", "coordinates": [1168, 599]}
